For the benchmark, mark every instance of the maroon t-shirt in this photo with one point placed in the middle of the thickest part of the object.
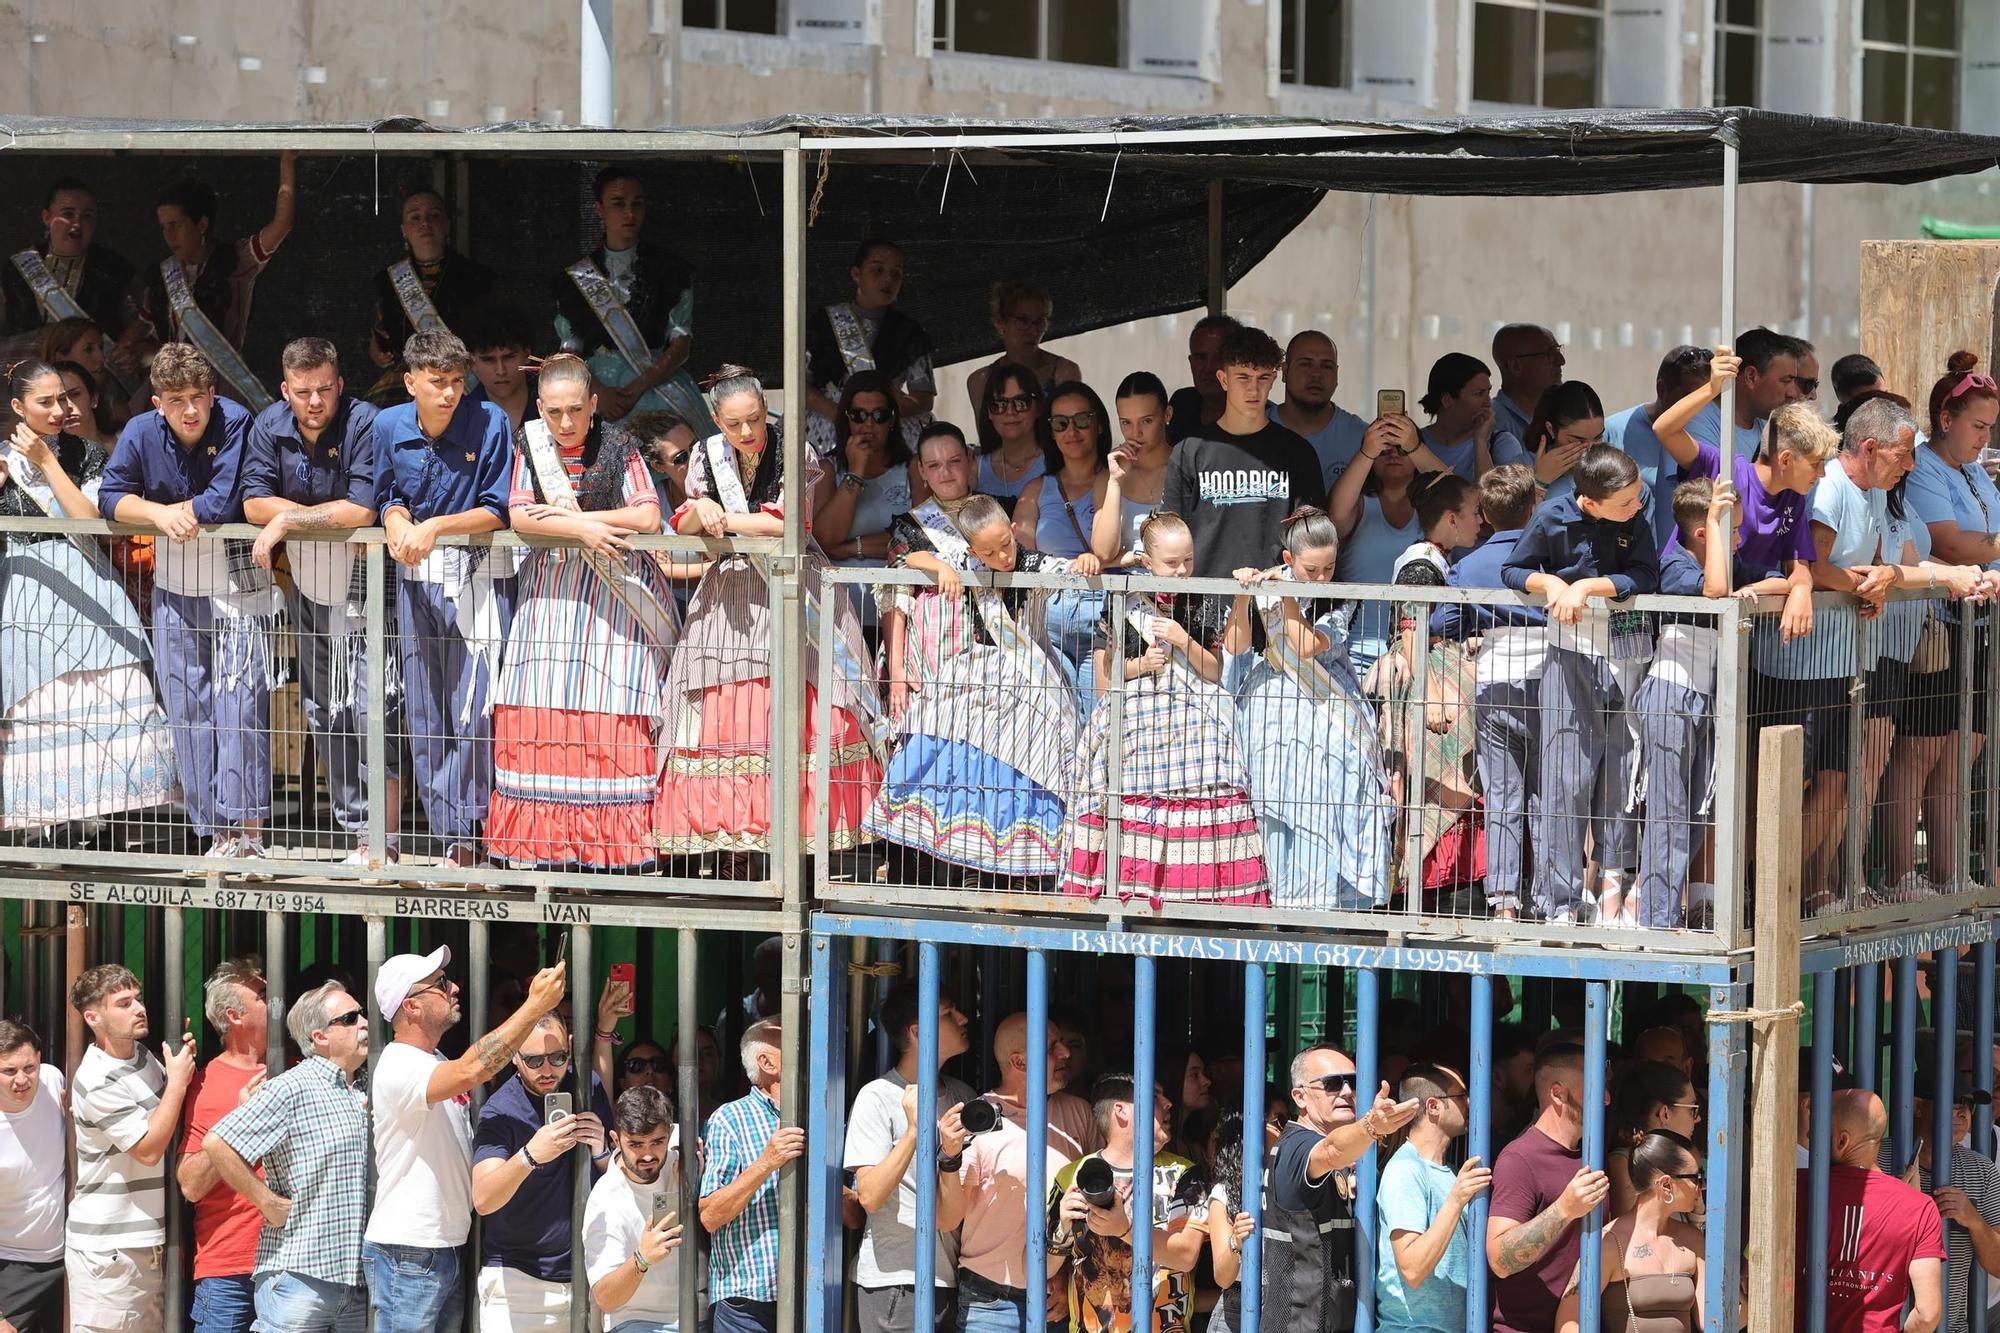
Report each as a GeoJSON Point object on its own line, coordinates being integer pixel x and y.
{"type": "Point", "coordinates": [1876, 1227]}
{"type": "Point", "coordinates": [1530, 1175]}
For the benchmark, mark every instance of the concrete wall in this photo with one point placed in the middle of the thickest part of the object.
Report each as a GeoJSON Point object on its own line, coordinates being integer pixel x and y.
{"type": "Point", "coordinates": [1620, 277]}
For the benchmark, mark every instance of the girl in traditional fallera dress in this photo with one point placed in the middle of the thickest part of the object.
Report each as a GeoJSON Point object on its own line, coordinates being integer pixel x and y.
{"type": "Point", "coordinates": [583, 685]}
{"type": "Point", "coordinates": [82, 734]}
{"type": "Point", "coordinates": [1189, 831]}
{"type": "Point", "coordinates": [990, 725]}
{"type": "Point", "coordinates": [868, 332]}
{"type": "Point", "coordinates": [715, 792]}
{"type": "Point", "coordinates": [1308, 733]}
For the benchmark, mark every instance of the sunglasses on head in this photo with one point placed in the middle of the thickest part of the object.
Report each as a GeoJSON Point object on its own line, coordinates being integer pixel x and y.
{"type": "Point", "coordinates": [659, 1064]}
{"type": "Point", "coordinates": [1969, 381]}
{"type": "Point", "coordinates": [348, 1019]}
{"type": "Point", "coordinates": [1078, 420]}
{"type": "Point", "coordinates": [554, 1060]}
{"type": "Point", "coordinates": [881, 416]}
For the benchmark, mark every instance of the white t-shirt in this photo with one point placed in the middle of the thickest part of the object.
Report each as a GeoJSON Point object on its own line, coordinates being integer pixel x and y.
{"type": "Point", "coordinates": [119, 1204]}
{"type": "Point", "coordinates": [619, 1209]}
{"type": "Point", "coordinates": [423, 1155]}
{"type": "Point", "coordinates": [33, 1150]}
{"type": "Point", "coordinates": [888, 1255]}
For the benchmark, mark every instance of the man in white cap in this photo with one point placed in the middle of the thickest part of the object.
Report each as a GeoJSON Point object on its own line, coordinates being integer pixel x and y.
{"type": "Point", "coordinates": [423, 1139]}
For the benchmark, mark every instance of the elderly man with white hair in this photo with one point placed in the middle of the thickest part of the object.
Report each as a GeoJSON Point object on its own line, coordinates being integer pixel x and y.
{"type": "Point", "coordinates": [745, 1145]}
{"type": "Point", "coordinates": [225, 1223]}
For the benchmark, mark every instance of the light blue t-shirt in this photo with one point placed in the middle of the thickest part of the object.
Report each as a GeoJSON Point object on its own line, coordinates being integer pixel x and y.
{"type": "Point", "coordinates": [1369, 556]}
{"type": "Point", "coordinates": [1707, 429]}
{"type": "Point", "coordinates": [1336, 443]}
{"type": "Point", "coordinates": [1859, 518]}
{"type": "Point", "coordinates": [1409, 1196]}
{"type": "Point", "coordinates": [1941, 493]}
{"type": "Point", "coordinates": [1507, 417]}
{"type": "Point", "coordinates": [1463, 457]}
{"type": "Point", "coordinates": [1902, 622]}
{"type": "Point", "coordinates": [1632, 431]}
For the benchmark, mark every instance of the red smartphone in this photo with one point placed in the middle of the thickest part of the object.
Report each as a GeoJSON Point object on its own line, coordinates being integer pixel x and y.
{"type": "Point", "coordinates": [622, 972]}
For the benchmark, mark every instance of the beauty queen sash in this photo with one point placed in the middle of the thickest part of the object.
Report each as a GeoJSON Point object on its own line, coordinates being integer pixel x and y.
{"type": "Point", "coordinates": [417, 305]}
{"type": "Point", "coordinates": [604, 302]}
{"type": "Point", "coordinates": [57, 303]}
{"type": "Point", "coordinates": [196, 327]}
{"type": "Point", "coordinates": [658, 623]}
{"type": "Point", "coordinates": [852, 339]}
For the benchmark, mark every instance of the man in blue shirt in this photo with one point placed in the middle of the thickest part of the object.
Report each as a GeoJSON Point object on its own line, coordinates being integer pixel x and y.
{"type": "Point", "coordinates": [1423, 1246]}
{"type": "Point", "coordinates": [310, 466]}
{"type": "Point", "coordinates": [523, 1181]}
{"type": "Point", "coordinates": [1531, 362]}
{"type": "Point", "coordinates": [1768, 380]}
{"type": "Point", "coordinates": [176, 469]}
{"type": "Point", "coordinates": [446, 466]}
{"type": "Point", "coordinates": [1682, 371]}
{"type": "Point", "coordinates": [1312, 376]}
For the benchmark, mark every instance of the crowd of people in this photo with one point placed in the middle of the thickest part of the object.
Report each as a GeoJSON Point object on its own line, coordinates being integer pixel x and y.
{"type": "Point", "coordinates": [588, 705]}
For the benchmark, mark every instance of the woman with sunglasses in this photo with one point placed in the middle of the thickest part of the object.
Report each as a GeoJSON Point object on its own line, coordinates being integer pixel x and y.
{"type": "Point", "coordinates": [586, 662]}
{"type": "Point", "coordinates": [876, 479]}
{"type": "Point", "coordinates": [1646, 1096]}
{"type": "Point", "coordinates": [1021, 314]}
{"type": "Point", "coordinates": [1950, 492]}
{"type": "Point", "coordinates": [1057, 510]}
{"type": "Point", "coordinates": [1009, 426]}
{"type": "Point", "coordinates": [1653, 1268]}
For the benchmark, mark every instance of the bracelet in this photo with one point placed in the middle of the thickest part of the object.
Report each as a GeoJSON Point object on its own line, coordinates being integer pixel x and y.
{"type": "Point", "coordinates": [611, 1037]}
{"type": "Point", "coordinates": [529, 1158]}
{"type": "Point", "coordinates": [639, 1260]}
{"type": "Point", "coordinates": [953, 1162]}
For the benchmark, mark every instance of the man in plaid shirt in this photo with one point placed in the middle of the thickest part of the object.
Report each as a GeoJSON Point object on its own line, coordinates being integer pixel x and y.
{"type": "Point", "coordinates": [309, 1129]}
{"type": "Point", "coordinates": [744, 1147]}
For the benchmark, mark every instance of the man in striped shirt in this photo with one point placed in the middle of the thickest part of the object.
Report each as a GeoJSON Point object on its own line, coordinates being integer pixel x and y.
{"type": "Point", "coordinates": [127, 1106]}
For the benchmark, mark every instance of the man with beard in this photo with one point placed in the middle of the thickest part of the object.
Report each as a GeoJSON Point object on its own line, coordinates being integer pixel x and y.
{"type": "Point", "coordinates": [1312, 376]}
{"type": "Point", "coordinates": [127, 1106]}
{"type": "Point", "coordinates": [423, 1138]}
{"type": "Point", "coordinates": [523, 1178]}
{"type": "Point", "coordinates": [630, 1225]}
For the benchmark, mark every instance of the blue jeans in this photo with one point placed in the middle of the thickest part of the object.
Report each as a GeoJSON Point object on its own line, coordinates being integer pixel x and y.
{"type": "Point", "coordinates": [294, 1303]}
{"type": "Point", "coordinates": [223, 1304]}
{"type": "Point", "coordinates": [987, 1307]}
{"type": "Point", "coordinates": [1074, 617]}
{"type": "Point", "coordinates": [734, 1314]}
{"type": "Point", "coordinates": [415, 1290]}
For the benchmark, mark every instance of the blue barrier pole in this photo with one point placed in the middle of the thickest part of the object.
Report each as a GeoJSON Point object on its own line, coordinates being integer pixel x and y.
{"type": "Point", "coordinates": [1036, 1183]}
{"type": "Point", "coordinates": [1367, 1079]}
{"type": "Point", "coordinates": [1250, 1279]}
{"type": "Point", "coordinates": [924, 1165]}
{"type": "Point", "coordinates": [1867, 1060]}
{"type": "Point", "coordinates": [1843, 1015]}
{"type": "Point", "coordinates": [1982, 1079]}
{"type": "Point", "coordinates": [1479, 1143]}
{"type": "Point", "coordinates": [1820, 1151]}
{"type": "Point", "coordinates": [1944, 1018]}
{"type": "Point", "coordinates": [825, 1141]}
{"type": "Point", "coordinates": [1144, 1076]}
{"type": "Point", "coordinates": [1596, 1014]}
{"type": "Point", "coordinates": [1903, 1068]}
{"type": "Point", "coordinates": [1727, 1062]}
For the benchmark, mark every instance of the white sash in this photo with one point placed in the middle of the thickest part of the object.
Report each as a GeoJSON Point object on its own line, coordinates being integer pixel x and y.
{"type": "Point", "coordinates": [852, 339]}
{"type": "Point", "coordinates": [32, 483]}
{"type": "Point", "coordinates": [725, 484]}
{"type": "Point", "coordinates": [197, 328]}
{"type": "Point", "coordinates": [1285, 657]}
{"type": "Point", "coordinates": [1141, 621]}
{"type": "Point", "coordinates": [416, 302]}
{"type": "Point", "coordinates": [610, 310]}
{"type": "Point", "coordinates": [656, 622]}
{"type": "Point", "coordinates": [57, 303]}
{"type": "Point", "coordinates": [948, 543]}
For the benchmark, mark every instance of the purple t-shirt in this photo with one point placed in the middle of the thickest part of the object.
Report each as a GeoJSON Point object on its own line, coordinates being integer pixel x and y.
{"type": "Point", "coordinates": [1773, 528]}
{"type": "Point", "coordinates": [1531, 1173]}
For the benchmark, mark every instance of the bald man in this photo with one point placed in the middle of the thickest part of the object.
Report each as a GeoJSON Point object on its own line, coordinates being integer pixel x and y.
{"type": "Point", "coordinates": [1667, 1045]}
{"type": "Point", "coordinates": [1885, 1240]}
{"type": "Point", "coordinates": [1312, 377]}
{"type": "Point", "coordinates": [989, 1188]}
{"type": "Point", "coordinates": [1530, 361]}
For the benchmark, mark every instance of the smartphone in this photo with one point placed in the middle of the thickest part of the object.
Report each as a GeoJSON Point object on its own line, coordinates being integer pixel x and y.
{"type": "Point", "coordinates": [663, 1209]}
{"type": "Point", "coordinates": [623, 972]}
{"type": "Point", "coordinates": [1388, 403]}
{"type": "Point", "coordinates": [555, 1106]}
{"type": "Point", "coordinates": [562, 949]}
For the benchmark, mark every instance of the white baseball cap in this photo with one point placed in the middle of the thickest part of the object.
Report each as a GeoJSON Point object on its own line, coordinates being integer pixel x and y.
{"type": "Point", "coordinates": [398, 976]}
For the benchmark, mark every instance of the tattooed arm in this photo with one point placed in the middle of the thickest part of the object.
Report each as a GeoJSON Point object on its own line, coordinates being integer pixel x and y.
{"type": "Point", "coordinates": [489, 1054]}
{"type": "Point", "coordinates": [1513, 1246]}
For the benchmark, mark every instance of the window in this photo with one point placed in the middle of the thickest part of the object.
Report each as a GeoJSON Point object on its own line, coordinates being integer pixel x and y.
{"type": "Point", "coordinates": [1739, 40]}
{"type": "Point", "coordinates": [1537, 52]}
{"type": "Point", "coordinates": [731, 15]}
{"type": "Point", "coordinates": [1909, 62]}
{"type": "Point", "coordinates": [1077, 32]}
{"type": "Point", "coordinates": [1313, 43]}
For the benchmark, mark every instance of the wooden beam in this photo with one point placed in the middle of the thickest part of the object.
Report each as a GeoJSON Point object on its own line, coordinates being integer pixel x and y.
{"type": "Point", "coordinates": [1774, 1069]}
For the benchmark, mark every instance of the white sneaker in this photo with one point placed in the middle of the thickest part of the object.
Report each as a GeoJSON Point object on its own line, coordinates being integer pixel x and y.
{"type": "Point", "coordinates": [1565, 916]}
{"type": "Point", "coordinates": [1913, 887]}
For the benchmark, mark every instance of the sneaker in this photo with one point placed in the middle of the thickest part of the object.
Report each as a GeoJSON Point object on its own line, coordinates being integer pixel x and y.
{"type": "Point", "coordinates": [223, 847]}
{"type": "Point", "coordinates": [1913, 887]}
{"type": "Point", "coordinates": [251, 850]}
{"type": "Point", "coordinates": [1565, 916]}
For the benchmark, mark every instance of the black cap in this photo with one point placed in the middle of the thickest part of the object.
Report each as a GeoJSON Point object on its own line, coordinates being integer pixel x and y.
{"type": "Point", "coordinates": [1963, 1093]}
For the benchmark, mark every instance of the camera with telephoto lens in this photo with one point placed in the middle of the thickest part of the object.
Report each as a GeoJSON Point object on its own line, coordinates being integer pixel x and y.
{"type": "Point", "coordinates": [979, 1116]}
{"type": "Point", "coordinates": [1097, 1182]}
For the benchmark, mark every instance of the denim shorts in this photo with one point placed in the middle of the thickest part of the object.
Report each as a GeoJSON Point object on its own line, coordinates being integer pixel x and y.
{"type": "Point", "coordinates": [223, 1304]}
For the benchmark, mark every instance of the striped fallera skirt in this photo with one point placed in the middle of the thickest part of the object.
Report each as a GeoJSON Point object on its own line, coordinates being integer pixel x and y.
{"type": "Point", "coordinates": [85, 745]}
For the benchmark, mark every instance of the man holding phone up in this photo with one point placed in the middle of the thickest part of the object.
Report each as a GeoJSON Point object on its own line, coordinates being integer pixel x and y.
{"type": "Point", "coordinates": [631, 1227]}
{"type": "Point", "coordinates": [423, 1139]}
{"type": "Point", "coordinates": [524, 1158]}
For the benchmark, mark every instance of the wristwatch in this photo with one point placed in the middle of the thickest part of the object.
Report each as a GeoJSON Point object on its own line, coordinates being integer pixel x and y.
{"type": "Point", "coordinates": [640, 1260]}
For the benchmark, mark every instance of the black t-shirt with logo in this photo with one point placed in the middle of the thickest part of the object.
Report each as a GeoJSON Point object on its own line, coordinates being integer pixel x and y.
{"type": "Point", "coordinates": [1234, 491]}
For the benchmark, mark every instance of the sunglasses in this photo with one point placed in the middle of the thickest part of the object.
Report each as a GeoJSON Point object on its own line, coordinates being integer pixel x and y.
{"type": "Point", "coordinates": [1331, 1083]}
{"type": "Point", "coordinates": [554, 1060]}
{"type": "Point", "coordinates": [348, 1019]}
{"type": "Point", "coordinates": [1687, 1175]}
{"type": "Point", "coordinates": [1077, 420]}
{"type": "Point", "coordinates": [1013, 406]}
{"type": "Point", "coordinates": [1970, 381]}
{"type": "Point", "coordinates": [1808, 384]}
{"type": "Point", "coordinates": [659, 1064]}
{"type": "Point", "coordinates": [881, 416]}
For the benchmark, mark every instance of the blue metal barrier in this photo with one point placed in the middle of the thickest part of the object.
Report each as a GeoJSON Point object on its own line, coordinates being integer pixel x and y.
{"type": "Point", "coordinates": [1590, 1253]}
{"type": "Point", "coordinates": [1367, 1068]}
{"type": "Point", "coordinates": [1250, 1279]}
{"type": "Point", "coordinates": [1144, 1076]}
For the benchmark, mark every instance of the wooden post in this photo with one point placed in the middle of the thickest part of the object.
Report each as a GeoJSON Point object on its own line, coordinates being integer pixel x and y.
{"type": "Point", "coordinates": [1774, 1068]}
{"type": "Point", "coordinates": [73, 964]}
{"type": "Point", "coordinates": [1923, 300]}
